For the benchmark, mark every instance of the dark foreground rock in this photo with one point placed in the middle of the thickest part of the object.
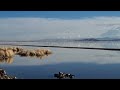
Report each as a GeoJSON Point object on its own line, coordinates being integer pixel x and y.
{"type": "Point", "coordinates": [62, 75]}
{"type": "Point", "coordinates": [3, 75]}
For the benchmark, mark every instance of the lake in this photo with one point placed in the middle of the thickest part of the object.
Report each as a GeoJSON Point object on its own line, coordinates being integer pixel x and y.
{"type": "Point", "coordinates": [83, 63]}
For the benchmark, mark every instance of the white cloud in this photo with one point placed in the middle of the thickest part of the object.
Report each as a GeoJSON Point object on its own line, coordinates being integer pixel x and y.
{"type": "Point", "coordinates": [38, 28]}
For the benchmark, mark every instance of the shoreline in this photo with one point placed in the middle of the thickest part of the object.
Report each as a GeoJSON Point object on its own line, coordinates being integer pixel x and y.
{"type": "Point", "coordinates": [111, 49]}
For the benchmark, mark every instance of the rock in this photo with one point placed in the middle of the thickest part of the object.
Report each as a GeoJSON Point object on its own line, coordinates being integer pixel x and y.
{"type": "Point", "coordinates": [2, 53]}
{"type": "Point", "coordinates": [3, 75]}
{"type": "Point", "coordinates": [8, 52]}
{"type": "Point", "coordinates": [62, 75]}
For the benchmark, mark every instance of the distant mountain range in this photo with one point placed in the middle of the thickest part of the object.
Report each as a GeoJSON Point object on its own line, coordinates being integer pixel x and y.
{"type": "Point", "coordinates": [99, 39]}
{"type": "Point", "coordinates": [65, 40]}
{"type": "Point", "coordinates": [110, 35]}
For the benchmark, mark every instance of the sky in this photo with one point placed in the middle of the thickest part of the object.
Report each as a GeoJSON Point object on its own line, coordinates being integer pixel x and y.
{"type": "Point", "coordinates": [19, 25]}
{"type": "Point", "coordinates": [58, 14]}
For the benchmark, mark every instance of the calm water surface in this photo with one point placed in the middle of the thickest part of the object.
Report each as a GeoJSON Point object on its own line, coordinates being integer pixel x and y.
{"type": "Point", "coordinates": [83, 63]}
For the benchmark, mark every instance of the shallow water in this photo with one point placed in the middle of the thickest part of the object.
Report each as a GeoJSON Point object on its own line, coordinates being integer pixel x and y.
{"type": "Point", "coordinates": [83, 63]}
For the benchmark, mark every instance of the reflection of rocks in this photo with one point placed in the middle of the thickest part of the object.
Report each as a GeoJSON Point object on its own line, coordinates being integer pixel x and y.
{"type": "Point", "coordinates": [7, 60]}
{"type": "Point", "coordinates": [3, 75]}
{"type": "Point", "coordinates": [39, 57]}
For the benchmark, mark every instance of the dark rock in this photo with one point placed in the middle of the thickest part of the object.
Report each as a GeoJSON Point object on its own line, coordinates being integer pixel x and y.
{"type": "Point", "coordinates": [3, 75]}
{"type": "Point", "coordinates": [62, 75]}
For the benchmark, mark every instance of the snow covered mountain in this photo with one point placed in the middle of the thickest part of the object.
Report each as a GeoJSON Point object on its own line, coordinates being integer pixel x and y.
{"type": "Point", "coordinates": [112, 33]}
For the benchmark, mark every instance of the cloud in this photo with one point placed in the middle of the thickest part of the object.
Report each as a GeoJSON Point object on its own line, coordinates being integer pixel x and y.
{"type": "Point", "coordinates": [39, 28]}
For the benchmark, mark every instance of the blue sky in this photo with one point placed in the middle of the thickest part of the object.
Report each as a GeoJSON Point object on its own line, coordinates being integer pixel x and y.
{"type": "Point", "coordinates": [58, 14]}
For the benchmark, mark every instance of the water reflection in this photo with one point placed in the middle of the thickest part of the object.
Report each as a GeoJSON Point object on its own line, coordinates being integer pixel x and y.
{"type": "Point", "coordinates": [11, 59]}
{"type": "Point", "coordinates": [37, 57]}
{"type": "Point", "coordinates": [85, 63]}
{"type": "Point", "coordinates": [6, 60]}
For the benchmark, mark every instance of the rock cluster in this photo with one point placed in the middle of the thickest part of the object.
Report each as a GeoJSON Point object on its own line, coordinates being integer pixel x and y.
{"type": "Point", "coordinates": [62, 75]}
{"type": "Point", "coordinates": [3, 75]}
{"type": "Point", "coordinates": [8, 52]}
{"type": "Point", "coordinates": [36, 52]}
